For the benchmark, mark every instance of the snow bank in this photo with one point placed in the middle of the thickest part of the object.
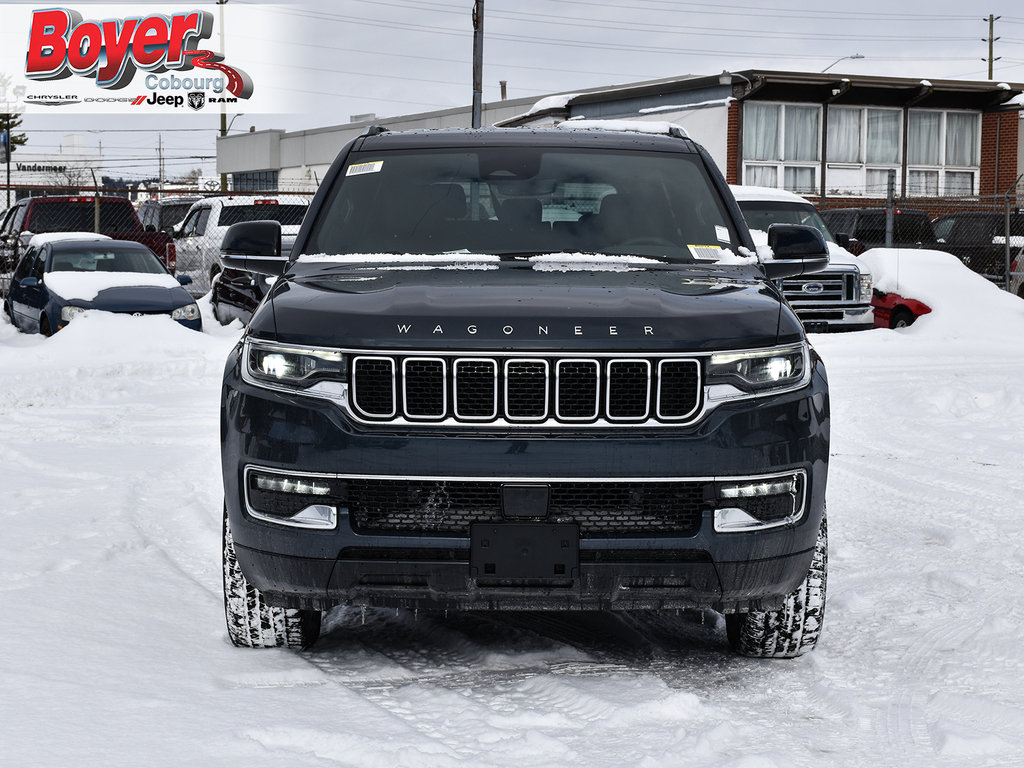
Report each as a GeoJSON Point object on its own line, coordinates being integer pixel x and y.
{"type": "Point", "coordinates": [84, 286]}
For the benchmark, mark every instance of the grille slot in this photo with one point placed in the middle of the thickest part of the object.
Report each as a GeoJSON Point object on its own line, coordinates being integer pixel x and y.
{"type": "Point", "coordinates": [576, 396]}
{"type": "Point", "coordinates": [476, 389]}
{"type": "Point", "coordinates": [373, 386]}
{"type": "Point", "coordinates": [678, 388]}
{"type": "Point", "coordinates": [601, 509]}
{"type": "Point", "coordinates": [424, 387]}
{"type": "Point", "coordinates": [629, 389]}
{"type": "Point", "coordinates": [526, 389]}
{"type": "Point", "coordinates": [542, 389]}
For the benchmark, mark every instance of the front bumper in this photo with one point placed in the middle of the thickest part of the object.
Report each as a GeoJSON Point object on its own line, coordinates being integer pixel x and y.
{"type": "Point", "coordinates": [831, 318]}
{"type": "Point", "coordinates": [703, 568]}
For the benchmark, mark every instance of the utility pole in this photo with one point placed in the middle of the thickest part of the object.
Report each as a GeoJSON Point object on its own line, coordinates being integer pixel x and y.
{"type": "Point", "coordinates": [478, 60]}
{"type": "Point", "coordinates": [7, 155]}
{"type": "Point", "coordinates": [160, 154]}
{"type": "Point", "coordinates": [223, 107]}
{"type": "Point", "coordinates": [992, 59]}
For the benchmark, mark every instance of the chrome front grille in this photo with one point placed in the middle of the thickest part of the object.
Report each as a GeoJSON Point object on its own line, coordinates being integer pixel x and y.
{"type": "Point", "coordinates": [495, 389]}
{"type": "Point", "coordinates": [836, 287]}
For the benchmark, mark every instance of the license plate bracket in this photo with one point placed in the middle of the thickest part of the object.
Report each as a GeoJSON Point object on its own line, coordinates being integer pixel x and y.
{"type": "Point", "coordinates": [524, 550]}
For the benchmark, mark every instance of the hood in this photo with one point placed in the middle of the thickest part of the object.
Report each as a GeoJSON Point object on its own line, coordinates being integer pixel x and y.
{"type": "Point", "coordinates": [515, 305]}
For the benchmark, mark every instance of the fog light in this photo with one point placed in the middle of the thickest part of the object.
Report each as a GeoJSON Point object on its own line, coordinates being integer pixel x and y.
{"type": "Point", "coordinates": [759, 503]}
{"type": "Point", "coordinates": [299, 501]}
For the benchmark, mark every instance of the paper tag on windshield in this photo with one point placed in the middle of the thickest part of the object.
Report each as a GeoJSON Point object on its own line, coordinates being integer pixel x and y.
{"type": "Point", "coordinates": [360, 168]}
{"type": "Point", "coordinates": [722, 233]}
{"type": "Point", "coordinates": [705, 252]}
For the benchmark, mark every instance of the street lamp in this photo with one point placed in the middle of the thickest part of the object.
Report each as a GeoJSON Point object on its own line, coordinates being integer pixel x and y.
{"type": "Point", "coordinates": [852, 56]}
{"type": "Point", "coordinates": [223, 109]}
{"type": "Point", "coordinates": [233, 118]}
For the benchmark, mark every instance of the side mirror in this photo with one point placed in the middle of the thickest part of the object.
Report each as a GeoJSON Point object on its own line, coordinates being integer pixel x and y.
{"type": "Point", "coordinates": [843, 240]}
{"type": "Point", "coordinates": [29, 282]}
{"type": "Point", "coordinates": [254, 246]}
{"type": "Point", "coordinates": [184, 280]}
{"type": "Point", "coordinates": [149, 228]}
{"type": "Point", "coordinates": [798, 250]}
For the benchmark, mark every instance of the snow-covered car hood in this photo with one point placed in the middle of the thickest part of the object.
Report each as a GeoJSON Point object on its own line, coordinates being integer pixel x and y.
{"type": "Point", "coordinates": [85, 286]}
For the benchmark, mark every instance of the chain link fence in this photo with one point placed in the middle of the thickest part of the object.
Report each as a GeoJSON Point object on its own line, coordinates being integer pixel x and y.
{"type": "Point", "coordinates": [184, 229]}
{"type": "Point", "coordinates": [986, 232]}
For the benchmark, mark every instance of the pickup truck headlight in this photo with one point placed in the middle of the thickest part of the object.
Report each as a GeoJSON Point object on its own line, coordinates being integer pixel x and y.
{"type": "Point", "coordinates": [188, 312]}
{"type": "Point", "coordinates": [291, 366]}
{"type": "Point", "coordinates": [749, 373]}
{"type": "Point", "coordinates": [865, 286]}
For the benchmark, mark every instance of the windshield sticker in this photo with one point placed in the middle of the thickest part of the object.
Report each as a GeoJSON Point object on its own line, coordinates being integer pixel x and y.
{"type": "Point", "coordinates": [705, 252]}
{"type": "Point", "coordinates": [722, 233]}
{"type": "Point", "coordinates": [362, 168]}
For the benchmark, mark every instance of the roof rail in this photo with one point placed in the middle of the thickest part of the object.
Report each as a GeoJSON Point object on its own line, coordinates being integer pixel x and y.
{"type": "Point", "coordinates": [374, 130]}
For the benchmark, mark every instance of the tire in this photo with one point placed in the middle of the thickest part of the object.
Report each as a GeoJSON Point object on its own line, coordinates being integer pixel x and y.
{"type": "Point", "coordinates": [252, 623]}
{"type": "Point", "coordinates": [901, 318]}
{"type": "Point", "coordinates": [793, 630]}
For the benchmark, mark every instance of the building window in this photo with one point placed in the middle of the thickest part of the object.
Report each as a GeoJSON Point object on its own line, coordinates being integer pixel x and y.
{"type": "Point", "coordinates": [254, 181]}
{"type": "Point", "coordinates": [781, 142]}
{"type": "Point", "coordinates": [943, 152]}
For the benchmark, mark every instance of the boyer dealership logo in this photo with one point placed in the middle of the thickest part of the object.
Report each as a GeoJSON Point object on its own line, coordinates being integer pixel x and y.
{"type": "Point", "coordinates": [113, 51]}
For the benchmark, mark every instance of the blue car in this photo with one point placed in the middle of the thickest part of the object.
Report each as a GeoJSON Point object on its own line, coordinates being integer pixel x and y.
{"type": "Point", "coordinates": [61, 276]}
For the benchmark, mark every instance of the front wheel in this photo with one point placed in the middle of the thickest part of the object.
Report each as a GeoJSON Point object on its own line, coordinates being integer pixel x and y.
{"type": "Point", "coordinates": [901, 318]}
{"type": "Point", "coordinates": [792, 630]}
{"type": "Point", "coordinates": [252, 623]}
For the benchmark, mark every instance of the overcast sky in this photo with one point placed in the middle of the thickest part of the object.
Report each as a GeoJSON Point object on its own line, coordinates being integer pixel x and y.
{"type": "Point", "coordinates": [395, 57]}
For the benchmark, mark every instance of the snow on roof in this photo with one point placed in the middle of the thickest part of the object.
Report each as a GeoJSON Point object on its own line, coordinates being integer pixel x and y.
{"type": "Point", "coordinates": [765, 193]}
{"type": "Point", "coordinates": [56, 237]}
{"type": "Point", "coordinates": [560, 101]}
{"type": "Point", "coordinates": [661, 127]}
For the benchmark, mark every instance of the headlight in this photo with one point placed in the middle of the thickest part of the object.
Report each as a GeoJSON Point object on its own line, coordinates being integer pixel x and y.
{"type": "Point", "coordinates": [67, 313]}
{"type": "Point", "coordinates": [865, 286]}
{"type": "Point", "coordinates": [292, 366]}
{"type": "Point", "coordinates": [743, 374]}
{"type": "Point", "coordinates": [188, 312]}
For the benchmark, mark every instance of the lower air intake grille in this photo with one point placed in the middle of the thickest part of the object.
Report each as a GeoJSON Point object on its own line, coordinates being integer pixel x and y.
{"type": "Point", "coordinates": [411, 507]}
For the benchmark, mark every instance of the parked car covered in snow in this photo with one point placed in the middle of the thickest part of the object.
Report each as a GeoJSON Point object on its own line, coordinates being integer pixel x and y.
{"type": "Point", "coordinates": [198, 240]}
{"type": "Point", "coordinates": [62, 275]}
{"type": "Point", "coordinates": [836, 299]}
{"type": "Point", "coordinates": [913, 283]}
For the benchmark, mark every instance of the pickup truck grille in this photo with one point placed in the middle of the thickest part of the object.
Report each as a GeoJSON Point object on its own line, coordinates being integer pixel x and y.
{"type": "Point", "coordinates": [832, 287]}
{"type": "Point", "coordinates": [495, 388]}
{"type": "Point", "coordinates": [449, 507]}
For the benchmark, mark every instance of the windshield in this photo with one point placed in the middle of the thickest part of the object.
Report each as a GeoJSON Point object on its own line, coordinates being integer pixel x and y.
{"type": "Point", "coordinates": [524, 201]}
{"type": "Point", "coordinates": [99, 259]}
{"type": "Point", "coordinates": [761, 214]}
{"type": "Point", "coordinates": [287, 215]}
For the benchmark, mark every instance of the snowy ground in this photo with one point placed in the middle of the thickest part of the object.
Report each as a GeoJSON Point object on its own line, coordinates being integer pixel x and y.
{"type": "Point", "coordinates": [113, 650]}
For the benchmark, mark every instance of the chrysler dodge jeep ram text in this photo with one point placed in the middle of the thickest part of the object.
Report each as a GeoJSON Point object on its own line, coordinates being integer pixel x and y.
{"type": "Point", "coordinates": [525, 369]}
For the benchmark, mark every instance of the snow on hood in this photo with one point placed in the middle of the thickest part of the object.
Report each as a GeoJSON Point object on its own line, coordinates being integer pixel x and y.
{"type": "Point", "coordinates": [85, 286]}
{"type": "Point", "coordinates": [963, 302]}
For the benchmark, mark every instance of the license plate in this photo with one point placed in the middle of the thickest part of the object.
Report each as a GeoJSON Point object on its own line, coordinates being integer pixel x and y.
{"type": "Point", "coordinates": [524, 550]}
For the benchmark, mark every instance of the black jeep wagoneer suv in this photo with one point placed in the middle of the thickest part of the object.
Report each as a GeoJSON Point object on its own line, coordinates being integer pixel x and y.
{"type": "Point", "coordinates": [525, 369]}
